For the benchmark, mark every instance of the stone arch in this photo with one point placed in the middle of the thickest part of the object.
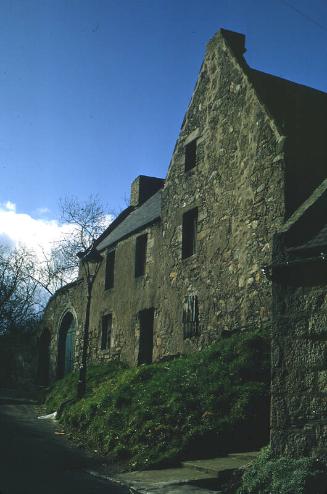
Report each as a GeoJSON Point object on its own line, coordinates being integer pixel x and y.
{"type": "Point", "coordinates": [44, 357]}
{"type": "Point", "coordinates": [66, 343]}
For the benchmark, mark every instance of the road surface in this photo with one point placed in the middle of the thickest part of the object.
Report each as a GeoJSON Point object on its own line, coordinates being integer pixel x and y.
{"type": "Point", "coordinates": [35, 459]}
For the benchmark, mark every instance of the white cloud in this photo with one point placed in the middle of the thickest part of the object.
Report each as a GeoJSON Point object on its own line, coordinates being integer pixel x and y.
{"type": "Point", "coordinates": [36, 234]}
{"type": "Point", "coordinates": [42, 211]}
{"type": "Point", "coordinates": [9, 206]}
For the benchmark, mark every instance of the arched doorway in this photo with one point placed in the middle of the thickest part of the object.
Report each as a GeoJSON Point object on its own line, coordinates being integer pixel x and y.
{"type": "Point", "coordinates": [44, 358]}
{"type": "Point", "coordinates": [66, 345]}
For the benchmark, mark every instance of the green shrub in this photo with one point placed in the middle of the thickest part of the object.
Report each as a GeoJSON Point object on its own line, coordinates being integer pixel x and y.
{"type": "Point", "coordinates": [269, 475]}
{"type": "Point", "coordinates": [201, 405]}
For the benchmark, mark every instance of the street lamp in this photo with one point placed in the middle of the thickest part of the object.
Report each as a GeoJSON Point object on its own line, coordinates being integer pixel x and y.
{"type": "Point", "coordinates": [91, 260]}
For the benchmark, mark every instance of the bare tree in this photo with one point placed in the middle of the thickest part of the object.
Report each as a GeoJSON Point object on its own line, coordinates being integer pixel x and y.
{"type": "Point", "coordinates": [18, 289]}
{"type": "Point", "coordinates": [85, 221]}
{"type": "Point", "coordinates": [49, 274]}
{"type": "Point", "coordinates": [26, 281]}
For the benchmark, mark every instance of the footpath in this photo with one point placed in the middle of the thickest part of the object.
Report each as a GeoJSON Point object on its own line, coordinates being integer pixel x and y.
{"type": "Point", "coordinates": [193, 477]}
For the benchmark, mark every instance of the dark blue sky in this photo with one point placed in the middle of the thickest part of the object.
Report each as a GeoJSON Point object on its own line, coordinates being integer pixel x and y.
{"type": "Point", "coordinates": [93, 92]}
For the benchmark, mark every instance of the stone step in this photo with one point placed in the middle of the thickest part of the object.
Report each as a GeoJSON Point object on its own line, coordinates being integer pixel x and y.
{"type": "Point", "coordinates": [217, 465]}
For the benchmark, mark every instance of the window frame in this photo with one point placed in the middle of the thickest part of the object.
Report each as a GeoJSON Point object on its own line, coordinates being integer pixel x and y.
{"type": "Point", "coordinates": [190, 155]}
{"type": "Point", "coordinates": [190, 319]}
{"type": "Point", "coordinates": [189, 233]}
{"type": "Point", "coordinates": [106, 332]}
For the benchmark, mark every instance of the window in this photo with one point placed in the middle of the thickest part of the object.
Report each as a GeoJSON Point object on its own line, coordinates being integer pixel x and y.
{"type": "Point", "coordinates": [190, 155]}
{"type": "Point", "coordinates": [110, 270]}
{"type": "Point", "coordinates": [106, 331]}
{"type": "Point", "coordinates": [190, 220]}
{"type": "Point", "coordinates": [140, 255]}
{"type": "Point", "coordinates": [146, 319]}
{"type": "Point", "coordinates": [190, 316]}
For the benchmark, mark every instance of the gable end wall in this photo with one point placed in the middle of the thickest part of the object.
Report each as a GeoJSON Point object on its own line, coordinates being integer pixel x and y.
{"type": "Point", "coordinates": [238, 187]}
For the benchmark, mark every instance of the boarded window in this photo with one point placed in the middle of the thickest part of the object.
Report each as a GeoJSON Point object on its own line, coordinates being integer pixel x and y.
{"type": "Point", "coordinates": [140, 255]}
{"type": "Point", "coordinates": [110, 270]}
{"type": "Point", "coordinates": [190, 316]}
{"type": "Point", "coordinates": [190, 220]}
{"type": "Point", "coordinates": [106, 331]}
{"type": "Point", "coordinates": [190, 155]}
{"type": "Point", "coordinates": [146, 319]}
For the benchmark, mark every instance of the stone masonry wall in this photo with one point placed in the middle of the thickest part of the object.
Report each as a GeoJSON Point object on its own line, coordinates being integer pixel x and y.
{"type": "Point", "coordinates": [299, 363]}
{"type": "Point", "coordinates": [124, 301]}
{"type": "Point", "coordinates": [68, 299]}
{"type": "Point", "coordinates": [128, 296]}
{"type": "Point", "coordinates": [238, 188]}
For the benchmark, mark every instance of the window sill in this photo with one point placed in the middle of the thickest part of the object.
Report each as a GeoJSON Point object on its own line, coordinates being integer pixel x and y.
{"type": "Point", "coordinates": [189, 258]}
{"type": "Point", "coordinates": [190, 172]}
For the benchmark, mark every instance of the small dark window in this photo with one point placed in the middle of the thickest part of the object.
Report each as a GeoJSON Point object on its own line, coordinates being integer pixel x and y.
{"type": "Point", "coordinates": [190, 155]}
{"type": "Point", "coordinates": [190, 220]}
{"type": "Point", "coordinates": [140, 255]}
{"type": "Point", "coordinates": [106, 331]}
{"type": "Point", "coordinates": [190, 316]}
{"type": "Point", "coordinates": [146, 318]}
{"type": "Point", "coordinates": [110, 270]}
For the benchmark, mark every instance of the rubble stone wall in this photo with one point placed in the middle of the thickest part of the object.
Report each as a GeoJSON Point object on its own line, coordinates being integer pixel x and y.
{"type": "Point", "coordinates": [238, 187]}
{"type": "Point", "coordinates": [299, 362]}
{"type": "Point", "coordinates": [128, 296]}
{"type": "Point", "coordinates": [70, 299]}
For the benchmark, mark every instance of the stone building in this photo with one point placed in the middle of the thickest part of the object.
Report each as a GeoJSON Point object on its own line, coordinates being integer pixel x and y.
{"type": "Point", "coordinates": [299, 344]}
{"type": "Point", "coordinates": [184, 262]}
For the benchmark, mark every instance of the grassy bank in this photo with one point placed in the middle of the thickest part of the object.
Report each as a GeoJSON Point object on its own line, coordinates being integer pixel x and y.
{"type": "Point", "coordinates": [200, 405]}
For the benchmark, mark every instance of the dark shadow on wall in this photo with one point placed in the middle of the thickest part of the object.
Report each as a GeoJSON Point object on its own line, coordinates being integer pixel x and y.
{"type": "Point", "coordinates": [66, 345]}
{"type": "Point", "coordinates": [43, 358]}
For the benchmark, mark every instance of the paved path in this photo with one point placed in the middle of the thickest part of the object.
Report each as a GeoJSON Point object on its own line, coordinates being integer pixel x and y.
{"type": "Point", "coordinates": [192, 477]}
{"type": "Point", "coordinates": [35, 459]}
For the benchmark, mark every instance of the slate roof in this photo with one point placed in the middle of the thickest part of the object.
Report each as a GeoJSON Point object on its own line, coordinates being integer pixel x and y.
{"type": "Point", "coordinates": [318, 242]}
{"type": "Point", "coordinates": [317, 200]}
{"type": "Point", "coordinates": [294, 106]}
{"type": "Point", "coordinates": [306, 229]}
{"type": "Point", "coordinates": [144, 215]}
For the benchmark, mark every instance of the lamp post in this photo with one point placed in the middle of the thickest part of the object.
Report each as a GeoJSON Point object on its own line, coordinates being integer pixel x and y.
{"type": "Point", "coordinates": [91, 260]}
